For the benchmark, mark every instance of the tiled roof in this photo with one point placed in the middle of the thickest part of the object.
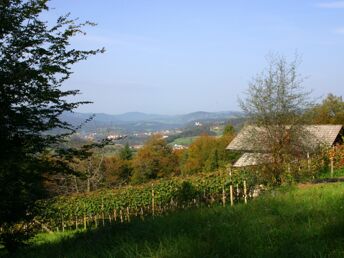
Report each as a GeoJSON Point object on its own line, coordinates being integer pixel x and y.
{"type": "Point", "coordinates": [316, 135]}
{"type": "Point", "coordinates": [253, 159]}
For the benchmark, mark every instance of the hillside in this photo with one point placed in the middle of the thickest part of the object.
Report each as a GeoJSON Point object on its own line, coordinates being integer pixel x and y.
{"type": "Point", "coordinates": [287, 222]}
{"type": "Point", "coordinates": [132, 121]}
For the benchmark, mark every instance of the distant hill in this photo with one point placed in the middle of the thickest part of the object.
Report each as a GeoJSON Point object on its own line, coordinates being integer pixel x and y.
{"type": "Point", "coordinates": [133, 121]}
{"type": "Point", "coordinates": [205, 116]}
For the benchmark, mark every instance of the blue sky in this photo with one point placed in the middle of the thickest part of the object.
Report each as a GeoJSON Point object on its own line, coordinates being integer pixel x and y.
{"type": "Point", "coordinates": [173, 57]}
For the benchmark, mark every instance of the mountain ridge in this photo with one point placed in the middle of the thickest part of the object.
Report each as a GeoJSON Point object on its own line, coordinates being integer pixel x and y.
{"type": "Point", "coordinates": [136, 120]}
{"type": "Point", "coordinates": [144, 117]}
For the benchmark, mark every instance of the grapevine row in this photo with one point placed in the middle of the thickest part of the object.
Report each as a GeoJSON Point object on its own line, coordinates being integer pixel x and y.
{"type": "Point", "coordinates": [121, 204]}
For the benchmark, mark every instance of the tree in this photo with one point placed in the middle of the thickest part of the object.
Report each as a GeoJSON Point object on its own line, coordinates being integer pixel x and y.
{"type": "Point", "coordinates": [229, 130]}
{"type": "Point", "coordinates": [154, 160]}
{"type": "Point", "coordinates": [35, 60]}
{"type": "Point", "coordinates": [330, 111]}
{"type": "Point", "coordinates": [198, 154]}
{"type": "Point", "coordinates": [274, 104]}
{"type": "Point", "coordinates": [118, 169]}
{"type": "Point", "coordinates": [126, 153]}
{"type": "Point", "coordinates": [207, 154]}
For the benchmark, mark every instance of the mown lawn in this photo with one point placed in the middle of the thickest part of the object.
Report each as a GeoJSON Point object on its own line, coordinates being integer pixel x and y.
{"type": "Point", "coordinates": [289, 222]}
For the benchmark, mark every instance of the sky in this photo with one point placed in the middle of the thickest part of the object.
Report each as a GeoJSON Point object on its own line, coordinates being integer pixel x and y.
{"type": "Point", "coordinates": [180, 56]}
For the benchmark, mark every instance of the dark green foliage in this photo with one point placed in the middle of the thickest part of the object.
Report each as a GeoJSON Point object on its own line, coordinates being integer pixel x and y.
{"type": "Point", "coordinates": [35, 60]}
{"type": "Point", "coordinates": [126, 153]}
{"type": "Point", "coordinates": [229, 130]}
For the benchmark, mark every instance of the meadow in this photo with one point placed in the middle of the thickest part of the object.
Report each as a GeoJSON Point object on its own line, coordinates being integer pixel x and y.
{"type": "Point", "coordinates": [294, 221]}
{"type": "Point", "coordinates": [184, 140]}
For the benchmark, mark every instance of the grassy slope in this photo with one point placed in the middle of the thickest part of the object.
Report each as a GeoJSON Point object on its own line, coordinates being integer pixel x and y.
{"type": "Point", "coordinates": [306, 222]}
{"type": "Point", "coordinates": [184, 140]}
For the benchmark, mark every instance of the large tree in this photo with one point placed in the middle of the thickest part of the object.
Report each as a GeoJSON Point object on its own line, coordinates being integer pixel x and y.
{"type": "Point", "coordinates": [330, 111]}
{"type": "Point", "coordinates": [274, 105]}
{"type": "Point", "coordinates": [154, 160]}
{"type": "Point", "coordinates": [35, 60]}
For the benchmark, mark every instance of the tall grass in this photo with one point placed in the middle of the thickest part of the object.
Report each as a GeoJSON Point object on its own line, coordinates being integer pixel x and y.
{"type": "Point", "coordinates": [306, 222]}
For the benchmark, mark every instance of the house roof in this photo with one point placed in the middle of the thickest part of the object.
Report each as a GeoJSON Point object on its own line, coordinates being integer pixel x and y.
{"type": "Point", "coordinates": [253, 159]}
{"type": "Point", "coordinates": [319, 135]}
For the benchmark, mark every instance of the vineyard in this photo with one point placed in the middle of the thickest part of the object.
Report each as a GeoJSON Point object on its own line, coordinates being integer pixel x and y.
{"type": "Point", "coordinates": [159, 197]}
{"type": "Point", "coordinates": [151, 199]}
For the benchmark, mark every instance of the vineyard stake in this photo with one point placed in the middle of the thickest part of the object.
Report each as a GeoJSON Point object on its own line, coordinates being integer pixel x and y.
{"type": "Point", "coordinates": [231, 194]}
{"type": "Point", "coordinates": [85, 226]}
{"type": "Point", "coordinates": [332, 167]}
{"type": "Point", "coordinates": [103, 218]}
{"type": "Point", "coordinates": [85, 223]}
{"type": "Point", "coordinates": [141, 213]}
{"type": "Point", "coordinates": [121, 215]}
{"type": "Point", "coordinates": [128, 214]}
{"type": "Point", "coordinates": [153, 204]}
{"type": "Point", "coordinates": [223, 196]}
{"type": "Point", "coordinates": [76, 222]}
{"type": "Point", "coordinates": [245, 195]}
{"type": "Point", "coordinates": [115, 214]}
{"type": "Point", "coordinates": [63, 226]}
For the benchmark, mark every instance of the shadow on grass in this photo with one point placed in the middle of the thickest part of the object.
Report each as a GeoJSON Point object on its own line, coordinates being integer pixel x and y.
{"type": "Point", "coordinates": [303, 223]}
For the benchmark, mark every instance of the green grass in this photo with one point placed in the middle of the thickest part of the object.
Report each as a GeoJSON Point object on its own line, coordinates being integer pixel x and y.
{"type": "Point", "coordinates": [288, 222]}
{"type": "Point", "coordinates": [184, 140]}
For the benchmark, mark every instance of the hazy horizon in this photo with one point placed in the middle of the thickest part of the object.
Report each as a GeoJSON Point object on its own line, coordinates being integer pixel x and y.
{"type": "Point", "coordinates": [162, 114]}
{"type": "Point", "coordinates": [177, 57]}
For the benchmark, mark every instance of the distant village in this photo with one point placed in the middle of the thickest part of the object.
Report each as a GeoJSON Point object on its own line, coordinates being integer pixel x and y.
{"type": "Point", "coordinates": [137, 139]}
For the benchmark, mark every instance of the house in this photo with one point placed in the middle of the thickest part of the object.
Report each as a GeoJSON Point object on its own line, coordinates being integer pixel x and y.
{"type": "Point", "coordinates": [256, 150]}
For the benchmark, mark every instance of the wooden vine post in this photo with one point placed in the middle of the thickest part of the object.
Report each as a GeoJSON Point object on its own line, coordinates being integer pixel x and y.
{"type": "Point", "coordinates": [128, 214]}
{"type": "Point", "coordinates": [85, 222]}
{"type": "Point", "coordinates": [245, 192]}
{"type": "Point", "coordinates": [332, 153]}
{"type": "Point", "coordinates": [103, 216]}
{"type": "Point", "coordinates": [332, 169]}
{"type": "Point", "coordinates": [115, 215]}
{"type": "Point", "coordinates": [308, 162]}
{"type": "Point", "coordinates": [121, 215]}
{"type": "Point", "coordinates": [153, 201]}
{"type": "Point", "coordinates": [141, 214]}
{"type": "Point", "coordinates": [223, 196]}
{"type": "Point", "coordinates": [231, 186]}
{"type": "Point", "coordinates": [63, 225]}
{"type": "Point", "coordinates": [231, 194]}
{"type": "Point", "coordinates": [76, 222]}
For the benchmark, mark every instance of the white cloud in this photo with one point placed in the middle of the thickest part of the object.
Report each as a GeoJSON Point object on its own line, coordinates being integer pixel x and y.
{"type": "Point", "coordinates": [331, 5]}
